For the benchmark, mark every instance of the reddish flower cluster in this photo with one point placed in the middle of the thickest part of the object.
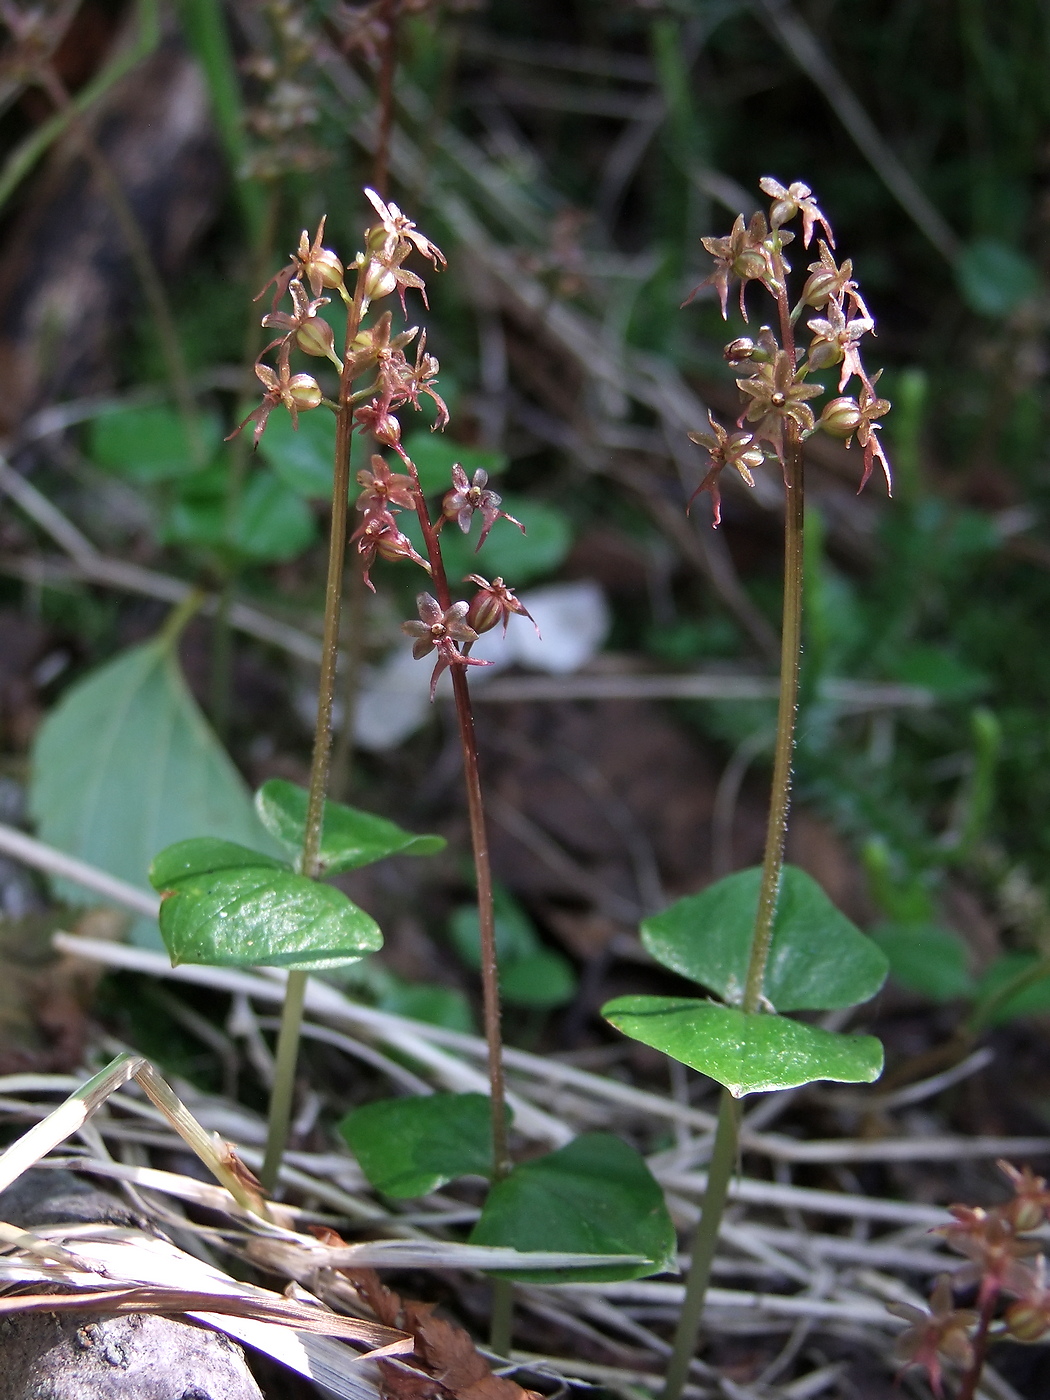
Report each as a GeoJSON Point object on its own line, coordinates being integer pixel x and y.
{"type": "Point", "coordinates": [777, 387]}
{"type": "Point", "coordinates": [1003, 1259]}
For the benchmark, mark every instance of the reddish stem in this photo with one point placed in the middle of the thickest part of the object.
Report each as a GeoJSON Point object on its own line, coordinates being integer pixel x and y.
{"type": "Point", "coordinates": [501, 1163]}
{"type": "Point", "coordinates": [970, 1381]}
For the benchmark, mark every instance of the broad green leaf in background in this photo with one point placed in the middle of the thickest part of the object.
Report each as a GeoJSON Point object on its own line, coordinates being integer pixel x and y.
{"type": "Point", "coordinates": [748, 1053]}
{"type": "Point", "coordinates": [818, 960]}
{"type": "Point", "coordinates": [994, 278]}
{"type": "Point", "coordinates": [593, 1196]}
{"type": "Point", "coordinates": [435, 455]}
{"type": "Point", "coordinates": [272, 522]}
{"type": "Point", "coordinates": [411, 1146]}
{"type": "Point", "coordinates": [1031, 1000]}
{"type": "Point", "coordinates": [303, 458]}
{"type": "Point", "coordinates": [150, 444]}
{"type": "Point", "coordinates": [926, 959]}
{"type": "Point", "coordinates": [529, 973]}
{"type": "Point", "coordinates": [126, 764]}
{"type": "Point", "coordinates": [349, 839]}
{"type": "Point", "coordinates": [425, 1001]}
{"type": "Point", "coordinates": [228, 906]}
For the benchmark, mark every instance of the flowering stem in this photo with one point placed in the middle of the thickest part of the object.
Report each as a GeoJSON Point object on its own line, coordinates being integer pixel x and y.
{"type": "Point", "coordinates": [968, 1386]}
{"type": "Point", "coordinates": [500, 1334]}
{"type": "Point", "coordinates": [292, 1012]}
{"type": "Point", "coordinates": [724, 1151]}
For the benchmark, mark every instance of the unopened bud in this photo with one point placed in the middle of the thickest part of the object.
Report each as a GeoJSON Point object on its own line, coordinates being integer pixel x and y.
{"type": "Point", "coordinates": [738, 350]}
{"type": "Point", "coordinates": [1026, 1322]}
{"type": "Point", "coordinates": [379, 281]}
{"type": "Point", "coordinates": [315, 337]}
{"type": "Point", "coordinates": [823, 354]}
{"type": "Point", "coordinates": [327, 268]}
{"type": "Point", "coordinates": [486, 611]}
{"type": "Point", "coordinates": [819, 288]}
{"type": "Point", "coordinates": [393, 545]}
{"type": "Point", "coordinates": [750, 264]}
{"type": "Point", "coordinates": [841, 417]}
{"type": "Point", "coordinates": [1024, 1214]}
{"type": "Point", "coordinates": [304, 391]}
{"type": "Point", "coordinates": [782, 211]}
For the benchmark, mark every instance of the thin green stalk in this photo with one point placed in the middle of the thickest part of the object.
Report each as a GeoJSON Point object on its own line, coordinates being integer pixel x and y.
{"type": "Point", "coordinates": [724, 1152]}
{"type": "Point", "coordinates": [292, 1011]}
{"type": "Point", "coordinates": [719, 1175]}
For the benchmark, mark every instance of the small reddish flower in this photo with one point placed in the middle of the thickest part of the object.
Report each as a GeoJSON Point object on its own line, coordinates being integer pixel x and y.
{"type": "Point", "coordinates": [470, 496]}
{"type": "Point", "coordinates": [829, 282]}
{"type": "Point", "coordinates": [940, 1333]}
{"type": "Point", "coordinates": [388, 245]}
{"type": "Point", "coordinates": [441, 630]}
{"type": "Point", "coordinates": [311, 334]}
{"type": "Point", "coordinates": [836, 341]}
{"type": "Point", "coordinates": [990, 1243]}
{"type": "Point", "coordinates": [1031, 1203]}
{"type": "Point", "coordinates": [494, 603]}
{"type": "Point", "coordinates": [298, 392]}
{"type": "Point", "coordinates": [318, 265]}
{"type": "Point", "coordinates": [796, 199]}
{"type": "Point", "coordinates": [738, 450]}
{"type": "Point", "coordinates": [742, 254]}
{"type": "Point", "coordinates": [777, 394]}
{"type": "Point", "coordinates": [845, 416]}
{"type": "Point", "coordinates": [383, 489]}
{"type": "Point", "coordinates": [378, 534]}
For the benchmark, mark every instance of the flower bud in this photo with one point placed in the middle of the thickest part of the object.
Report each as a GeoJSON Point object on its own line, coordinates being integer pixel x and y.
{"type": "Point", "coordinates": [486, 611]}
{"type": "Point", "coordinates": [823, 354]}
{"type": "Point", "coordinates": [738, 350]}
{"type": "Point", "coordinates": [841, 417]}
{"type": "Point", "coordinates": [380, 281]}
{"type": "Point", "coordinates": [327, 268]}
{"type": "Point", "coordinates": [1026, 1322]}
{"type": "Point", "coordinates": [782, 211]}
{"type": "Point", "coordinates": [750, 264]}
{"type": "Point", "coordinates": [819, 287]}
{"type": "Point", "coordinates": [304, 391]}
{"type": "Point", "coordinates": [315, 337]}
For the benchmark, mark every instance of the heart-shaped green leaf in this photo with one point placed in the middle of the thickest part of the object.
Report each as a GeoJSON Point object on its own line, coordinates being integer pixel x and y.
{"type": "Point", "coordinates": [818, 960]}
{"type": "Point", "coordinates": [749, 1054]}
{"type": "Point", "coordinates": [302, 457]}
{"type": "Point", "coordinates": [349, 839]}
{"type": "Point", "coordinates": [593, 1196]}
{"type": "Point", "coordinates": [126, 764]}
{"type": "Point", "coordinates": [149, 444]}
{"type": "Point", "coordinates": [227, 906]}
{"type": "Point", "coordinates": [408, 1147]}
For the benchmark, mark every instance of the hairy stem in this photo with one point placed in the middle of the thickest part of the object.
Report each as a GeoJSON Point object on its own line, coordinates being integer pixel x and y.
{"type": "Point", "coordinates": [719, 1174]}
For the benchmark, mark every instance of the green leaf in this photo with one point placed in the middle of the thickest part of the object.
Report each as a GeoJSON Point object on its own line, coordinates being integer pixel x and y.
{"type": "Point", "coordinates": [349, 839]}
{"type": "Point", "coordinates": [594, 1196]}
{"type": "Point", "coordinates": [818, 959]}
{"type": "Point", "coordinates": [437, 1006]}
{"type": "Point", "coordinates": [995, 278]}
{"type": "Point", "coordinates": [149, 444]}
{"type": "Point", "coordinates": [302, 458]}
{"type": "Point", "coordinates": [749, 1054]}
{"type": "Point", "coordinates": [543, 980]}
{"type": "Point", "coordinates": [203, 855]}
{"type": "Point", "coordinates": [236, 908]}
{"type": "Point", "coordinates": [516, 936]}
{"type": "Point", "coordinates": [436, 455]}
{"type": "Point", "coordinates": [1030, 1000]}
{"type": "Point", "coordinates": [926, 959]}
{"type": "Point", "coordinates": [411, 1146]}
{"type": "Point", "coordinates": [272, 523]}
{"type": "Point", "coordinates": [196, 520]}
{"type": "Point", "coordinates": [126, 764]}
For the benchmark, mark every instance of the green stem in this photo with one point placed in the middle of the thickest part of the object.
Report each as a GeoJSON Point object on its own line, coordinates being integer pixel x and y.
{"type": "Point", "coordinates": [725, 1147]}
{"type": "Point", "coordinates": [787, 710]}
{"type": "Point", "coordinates": [719, 1175]}
{"type": "Point", "coordinates": [292, 1012]}
{"type": "Point", "coordinates": [501, 1322]}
